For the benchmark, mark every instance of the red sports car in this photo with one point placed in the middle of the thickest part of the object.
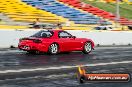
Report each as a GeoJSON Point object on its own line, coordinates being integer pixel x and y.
{"type": "Point", "coordinates": [55, 41]}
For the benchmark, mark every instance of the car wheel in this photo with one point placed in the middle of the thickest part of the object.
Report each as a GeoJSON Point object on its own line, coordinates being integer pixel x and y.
{"type": "Point", "coordinates": [53, 48]}
{"type": "Point", "coordinates": [87, 47]}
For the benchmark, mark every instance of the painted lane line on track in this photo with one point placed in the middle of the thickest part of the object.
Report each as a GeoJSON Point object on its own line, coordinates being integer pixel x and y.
{"type": "Point", "coordinates": [60, 67]}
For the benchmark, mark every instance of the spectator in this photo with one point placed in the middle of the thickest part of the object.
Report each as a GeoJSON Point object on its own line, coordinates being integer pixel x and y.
{"type": "Point", "coordinates": [130, 27]}
{"type": "Point", "coordinates": [36, 24]}
{"type": "Point", "coordinates": [102, 22]}
{"type": "Point", "coordinates": [68, 23]}
{"type": "Point", "coordinates": [59, 26]}
{"type": "Point", "coordinates": [83, 4]}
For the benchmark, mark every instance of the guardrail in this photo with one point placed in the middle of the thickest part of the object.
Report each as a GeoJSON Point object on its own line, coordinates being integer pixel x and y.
{"type": "Point", "coordinates": [10, 38]}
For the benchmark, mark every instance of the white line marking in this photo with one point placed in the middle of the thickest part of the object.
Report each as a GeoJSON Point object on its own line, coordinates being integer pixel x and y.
{"type": "Point", "coordinates": [60, 67]}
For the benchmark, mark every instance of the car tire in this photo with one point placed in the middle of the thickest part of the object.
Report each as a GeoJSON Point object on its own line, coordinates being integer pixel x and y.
{"type": "Point", "coordinates": [53, 49]}
{"type": "Point", "coordinates": [87, 48]}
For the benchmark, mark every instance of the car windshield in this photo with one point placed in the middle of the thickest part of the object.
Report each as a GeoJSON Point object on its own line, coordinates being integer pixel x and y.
{"type": "Point", "coordinates": [43, 34]}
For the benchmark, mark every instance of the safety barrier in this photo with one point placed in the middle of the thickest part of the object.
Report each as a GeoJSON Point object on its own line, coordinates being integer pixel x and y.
{"type": "Point", "coordinates": [11, 37]}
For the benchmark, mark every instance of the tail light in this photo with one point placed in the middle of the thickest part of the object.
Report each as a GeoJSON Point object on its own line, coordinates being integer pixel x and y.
{"type": "Point", "coordinates": [31, 39]}
{"type": "Point", "coordinates": [37, 41]}
{"type": "Point", "coordinates": [22, 39]}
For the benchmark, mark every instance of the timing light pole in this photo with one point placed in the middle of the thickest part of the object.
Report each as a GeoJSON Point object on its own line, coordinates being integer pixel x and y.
{"type": "Point", "coordinates": [117, 12]}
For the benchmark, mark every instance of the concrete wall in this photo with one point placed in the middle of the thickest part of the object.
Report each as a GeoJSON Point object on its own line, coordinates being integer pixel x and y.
{"type": "Point", "coordinates": [106, 37]}
{"type": "Point", "coordinates": [11, 37]}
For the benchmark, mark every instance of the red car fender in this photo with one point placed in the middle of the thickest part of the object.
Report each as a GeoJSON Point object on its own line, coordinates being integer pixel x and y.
{"type": "Point", "coordinates": [58, 43]}
{"type": "Point", "coordinates": [47, 44]}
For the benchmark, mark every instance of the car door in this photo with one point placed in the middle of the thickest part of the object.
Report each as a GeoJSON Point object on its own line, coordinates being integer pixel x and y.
{"type": "Point", "coordinates": [77, 43]}
{"type": "Point", "coordinates": [66, 42]}
{"type": "Point", "coordinates": [69, 43]}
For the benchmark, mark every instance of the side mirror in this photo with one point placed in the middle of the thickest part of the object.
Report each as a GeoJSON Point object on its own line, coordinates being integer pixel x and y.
{"type": "Point", "coordinates": [73, 37]}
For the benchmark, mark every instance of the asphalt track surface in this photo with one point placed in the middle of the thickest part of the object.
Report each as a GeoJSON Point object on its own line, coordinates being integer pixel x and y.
{"type": "Point", "coordinates": [19, 69]}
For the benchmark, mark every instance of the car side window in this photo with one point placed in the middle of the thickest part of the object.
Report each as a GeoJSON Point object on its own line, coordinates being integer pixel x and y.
{"type": "Point", "coordinates": [43, 34]}
{"type": "Point", "coordinates": [64, 34]}
{"type": "Point", "coordinates": [46, 34]}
